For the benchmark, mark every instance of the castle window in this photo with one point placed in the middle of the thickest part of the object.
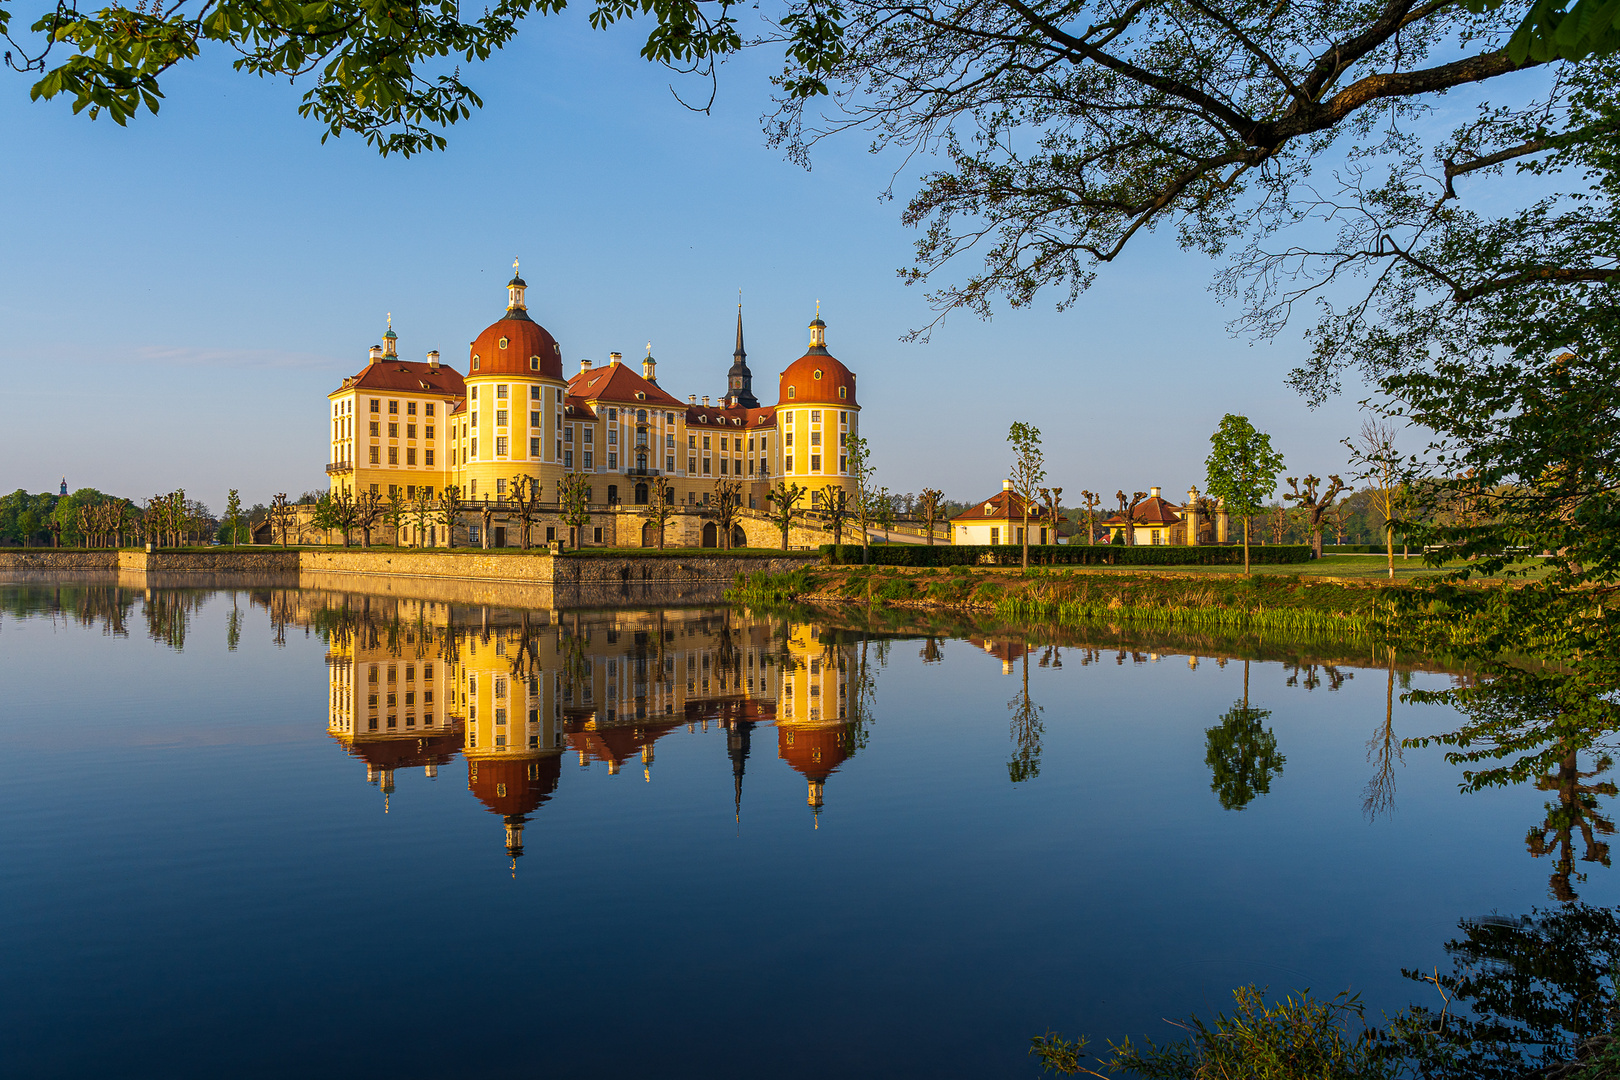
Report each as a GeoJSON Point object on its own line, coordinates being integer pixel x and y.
{"type": "Point", "coordinates": [789, 465]}
{"type": "Point", "coordinates": [568, 459]}
{"type": "Point", "coordinates": [641, 416]}
{"type": "Point", "coordinates": [815, 438]}
{"type": "Point", "coordinates": [475, 363]}
{"type": "Point", "coordinates": [429, 459]}
{"type": "Point", "coordinates": [393, 431]}
{"type": "Point", "coordinates": [500, 451]}
{"type": "Point", "coordinates": [500, 390]}
{"type": "Point", "coordinates": [500, 417]}
{"type": "Point", "coordinates": [818, 373]}
{"type": "Point", "coordinates": [393, 455]}
{"type": "Point", "coordinates": [500, 489]}
{"type": "Point", "coordinates": [586, 463]}
{"type": "Point", "coordinates": [503, 342]}
{"type": "Point", "coordinates": [691, 465]}
{"type": "Point", "coordinates": [705, 442]}
{"type": "Point", "coordinates": [374, 461]}
{"type": "Point", "coordinates": [428, 408]}
{"type": "Point", "coordinates": [410, 431]}
{"type": "Point", "coordinates": [815, 462]}
{"type": "Point", "coordinates": [590, 434]}
{"type": "Point", "coordinates": [376, 428]}
{"type": "Point", "coordinates": [410, 455]}
{"type": "Point", "coordinates": [534, 448]}
{"type": "Point", "coordinates": [410, 408]}
{"type": "Point", "coordinates": [613, 414]}
{"type": "Point", "coordinates": [791, 394]}
{"type": "Point", "coordinates": [429, 432]}
{"type": "Point", "coordinates": [534, 418]}
{"type": "Point", "coordinates": [843, 392]}
{"type": "Point", "coordinates": [375, 405]}
{"type": "Point", "coordinates": [568, 434]}
{"type": "Point", "coordinates": [393, 408]}
{"type": "Point", "coordinates": [815, 416]}
{"type": "Point", "coordinates": [475, 393]}
{"type": "Point", "coordinates": [534, 365]}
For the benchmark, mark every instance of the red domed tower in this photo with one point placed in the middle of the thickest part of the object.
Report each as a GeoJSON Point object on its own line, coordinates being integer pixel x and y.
{"type": "Point", "coordinates": [511, 421]}
{"type": "Point", "coordinates": [816, 412]}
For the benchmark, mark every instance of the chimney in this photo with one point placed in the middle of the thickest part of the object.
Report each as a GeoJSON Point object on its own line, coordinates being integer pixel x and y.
{"type": "Point", "coordinates": [433, 360]}
{"type": "Point", "coordinates": [584, 366]}
{"type": "Point", "coordinates": [705, 401]}
{"type": "Point", "coordinates": [691, 399]}
{"type": "Point", "coordinates": [376, 354]}
{"type": "Point", "coordinates": [614, 358]}
{"type": "Point", "coordinates": [1006, 485]}
{"type": "Point", "coordinates": [1153, 493]}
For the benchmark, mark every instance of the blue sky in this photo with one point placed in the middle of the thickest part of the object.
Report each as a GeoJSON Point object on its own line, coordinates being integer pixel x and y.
{"type": "Point", "coordinates": [178, 296]}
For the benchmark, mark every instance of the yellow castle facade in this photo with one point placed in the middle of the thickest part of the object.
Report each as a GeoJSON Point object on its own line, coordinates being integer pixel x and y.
{"type": "Point", "coordinates": [401, 428]}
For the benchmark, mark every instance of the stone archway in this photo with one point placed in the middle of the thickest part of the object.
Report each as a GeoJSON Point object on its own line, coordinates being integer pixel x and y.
{"type": "Point", "coordinates": [711, 535]}
{"type": "Point", "coordinates": [739, 539]}
{"type": "Point", "coordinates": [649, 535]}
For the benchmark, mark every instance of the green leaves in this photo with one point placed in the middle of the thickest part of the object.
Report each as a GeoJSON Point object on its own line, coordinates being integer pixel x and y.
{"type": "Point", "coordinates": [381, 68]}
{"type": "Point", "coordinates": [1242, 468]}
{"type": "Point", "coordinates": [1557, 30]}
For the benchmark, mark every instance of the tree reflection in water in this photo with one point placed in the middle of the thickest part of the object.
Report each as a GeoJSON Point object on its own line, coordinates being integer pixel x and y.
{"type": "Point", "coordinates": [1242, 753]}
{"type": "Point", "coordinates": [1027, 730]}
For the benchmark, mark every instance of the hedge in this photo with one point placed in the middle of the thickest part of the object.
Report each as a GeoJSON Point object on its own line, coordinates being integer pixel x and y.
{"type": "Point", "coordinates": [1063, 555]}
{"type": "Point", "coordinates": [1353, 549]}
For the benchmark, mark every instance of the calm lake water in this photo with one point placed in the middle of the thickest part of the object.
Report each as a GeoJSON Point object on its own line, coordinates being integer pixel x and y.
{"type": "Point", "coordinates": [269, 832]}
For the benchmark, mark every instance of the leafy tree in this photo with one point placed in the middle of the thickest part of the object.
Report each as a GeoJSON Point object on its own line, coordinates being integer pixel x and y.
{"type": "Point", "coordinates": [784, 500]}
{"type": "Point", "coordinates": [1241, 470]}
{"type": "Point", "coordinates": [863, 473]}
{"type": "Point", "coordinates": [1241, 753]}
{"type": "Point", "coordinates": [233, 517]}
{"type": "Point", "coordinates": [725, 508]}
{"type": "Point", "coordinates": [448, 512]}
{"type": "Point", "coordinates": [1028, 471]}
{"type": "Point", "coordinates": [282, 516]}
{"type": "Point", "coordinates": [526, 493]}
{"type": "Point", "coordinates": [928, 510]}
{"type": "Point", "coordinates": [573, 501]}
{"type": "Point", "coordinates": [660, 510]}
{"type": "Point", "coordinates": [1052, 498]}
{"type": "Point", "coordinates": [368, 511]}
{"type": "Point", "coordinates": [1385, 469]}
{"type": "Point", "coordinates": [1091, 499]}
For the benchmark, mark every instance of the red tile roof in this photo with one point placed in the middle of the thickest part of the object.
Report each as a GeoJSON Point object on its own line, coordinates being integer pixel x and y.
{"type": "Point", "coordinates": [618, 385]}
{"type": "Point", "coordinates": [1002, 506]}
{"type": "Point", "coordinates": [506, 787]}
{"type": "Point", "coordinates": [576, 408]}
{"type": "Point", "coordinates": [1150, 513]}
{"type": "Point", "coordinates": [738, 418]}
{"type": "Point", "coordinates": [813, 752]}
{"type": "Point", "coordinates": [393, 375]}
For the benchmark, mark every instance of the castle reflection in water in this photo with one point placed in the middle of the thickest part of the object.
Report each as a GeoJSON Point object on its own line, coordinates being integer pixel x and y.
{"type": "Point", "coordinates": [414, 683]}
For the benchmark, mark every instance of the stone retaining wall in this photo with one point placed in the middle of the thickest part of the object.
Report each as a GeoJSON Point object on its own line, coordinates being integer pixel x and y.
{"type": "Point", "coordinates": [539, 579]}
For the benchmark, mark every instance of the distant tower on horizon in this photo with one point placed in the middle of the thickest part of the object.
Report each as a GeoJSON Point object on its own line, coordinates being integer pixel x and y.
{"type": "Point", "coordinates": [64, 485]}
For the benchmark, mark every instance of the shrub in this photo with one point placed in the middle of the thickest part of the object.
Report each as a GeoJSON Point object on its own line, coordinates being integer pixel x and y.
{"type": "Point", "coordinates": [1062, 555]}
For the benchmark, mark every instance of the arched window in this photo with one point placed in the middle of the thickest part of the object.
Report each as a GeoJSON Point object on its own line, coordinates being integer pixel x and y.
{"type": "Point", "coordinates": [641, 416]}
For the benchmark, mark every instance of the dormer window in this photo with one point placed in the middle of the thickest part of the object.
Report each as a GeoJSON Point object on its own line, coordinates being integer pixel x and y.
{"type": "Point", "coordinates": [475, 362]}
{"type": "Point", "coordinates": [503, 343]}
{"type": "Point", "coordinates": [843, 391]}
{"type": "Point", "coordinates": [817, 374]}
{"type": "Point", "coordinates": [791, 395]}
{"type": "Point", "coordinates": [534, 363]}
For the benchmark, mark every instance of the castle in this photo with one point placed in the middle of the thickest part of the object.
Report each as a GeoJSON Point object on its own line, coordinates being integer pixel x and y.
{"type": "Point", "coordinates": [399, 427]}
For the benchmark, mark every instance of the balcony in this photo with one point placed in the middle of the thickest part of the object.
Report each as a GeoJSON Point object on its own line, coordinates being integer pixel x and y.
{"type": "Point", "coordinates": [337, 468]}
{"type": "Point", "coordinates": [641, 472]}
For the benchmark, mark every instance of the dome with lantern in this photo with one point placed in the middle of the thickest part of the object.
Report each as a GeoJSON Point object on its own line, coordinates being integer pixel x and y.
{"type": "Point", "coordinates": [515, 344]}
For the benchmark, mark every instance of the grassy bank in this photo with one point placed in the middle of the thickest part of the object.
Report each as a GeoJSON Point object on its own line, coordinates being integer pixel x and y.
{"type": "Point", "coordinates": [1292, 603]}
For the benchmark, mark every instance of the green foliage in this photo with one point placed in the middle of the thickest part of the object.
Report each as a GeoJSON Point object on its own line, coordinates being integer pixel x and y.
{"type": "Point", "coordinates": [1028, 471]}
{"type": "Point", "coordinates": [1242, 756]}
{"type": "Point", "coordinates": [1242, 470]}
{"type": "Point", "coordinates": [1558, 29]}
{"type": "Point", "coordinates": [1297, 1038]}
{"type": "Point", "coordinates": [1062, 555]}
{"type": "Point", "coordinates": [388, 73]}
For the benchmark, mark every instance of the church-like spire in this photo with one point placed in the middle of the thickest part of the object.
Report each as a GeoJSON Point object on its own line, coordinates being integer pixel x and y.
{"type": "Point", "coordinates": [739, 380]}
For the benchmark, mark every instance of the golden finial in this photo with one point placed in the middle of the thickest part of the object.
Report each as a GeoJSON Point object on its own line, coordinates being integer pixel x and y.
{"type": "Point", "coordinates": [649, 350]}
{"type": "Point", "coordinates": [514, 266]}
{"type": "Point", "coordinates": [390, 320]}
{"type": "Point", "coordinates": [818, 309]}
